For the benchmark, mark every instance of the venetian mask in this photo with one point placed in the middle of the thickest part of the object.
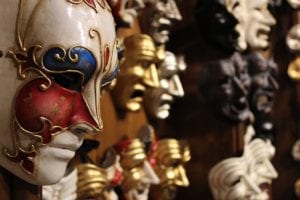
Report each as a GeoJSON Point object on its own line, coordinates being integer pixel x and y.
{"type": "Point", "coordinates": [138, 72]}
{"type": "Point", "coordinates": [263, 74]}
{"type": "Point", "coordinates": [294, 3]}
{"type": "Point", "coordinates": [52, 79]}
{"type": "Point", "coordinates": [157, 18]}
{"type": "Point", "coordinates": [255, 21]}
{"type": "Point", "coordinates": [92, 182]}
{"type": "Point", "coordinates": [126, 10]}
{"type": "Point", "coordinates": [224, 85]}
{"type": "Point", "coordinates": [170, 157]}
{"type": "Point", "coordinates": [219, 24]}
{"type": "Point", "coordinates": [245, 177]}
{"type": "Point", "coordinates": [158, 100]}
{"type": "Point", "coordinates": [138, 173]}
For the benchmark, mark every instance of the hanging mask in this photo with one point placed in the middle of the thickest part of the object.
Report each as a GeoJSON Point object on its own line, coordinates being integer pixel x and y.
{"type": "Point", "coordinates": [158, 101]}
{"type": "Point", "coordinates": [219, 24]}
{"type": "Point", "coordinates": [137, 72]}
{"type": "Point", "coordinates": [263, 73]}
{"type": "Point", "coordinates": [52, 78]}
{"type": "Point", "coordinates": [254, 22]}
{"type": "Point", "coordinates": [245, 177]}
{"type": "Point", "coordinates": [224, 86]}
{"type": "Point", "coordinates": [157, 18]}
{"type": "Point", "coordinates": [294, 3]}
{"type": "Point", "coordinates": [169, 157]}
{"type": "Point", "coordinates": [138, 173]}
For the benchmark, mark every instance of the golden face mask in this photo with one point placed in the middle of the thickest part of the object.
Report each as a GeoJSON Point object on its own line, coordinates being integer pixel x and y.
{"type": "Point", "coordinates": [137, 72]}
{"type": "Point", "coordinates": [137, 172]}
{"type": "Point", "coordinates": [92, 182]}
{"type": "Point", "coordinates": [170, 156]}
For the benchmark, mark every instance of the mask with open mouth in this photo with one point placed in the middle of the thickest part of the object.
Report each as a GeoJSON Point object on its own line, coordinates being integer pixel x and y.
{"type": "Point", "coordinates": [246, 177]}
{"type": "Point", "coordinates": [219, 24]}
{"type": "Point", "coordinates": [158, 100]}
{"type": "Point", "coordinates": [224, 86]}
{"type": "Point", "coordinates": [254, 22]}
{"type": "Point", "coordinates": [138, 72]}
{"type": "Point", "coordinates": [52, 81]}
{"type": "Point", "coordinates": [263, 74]}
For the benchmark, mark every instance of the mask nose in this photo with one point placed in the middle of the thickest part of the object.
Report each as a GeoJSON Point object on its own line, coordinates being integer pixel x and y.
{"type": "Point", "coordinates": [182, 179]}
{"type": "Point", "coordinates": [270, 172]}
{"type": "Point", "coordinates": [150, 77]}
{"type": "Point", "coordinates": [150, 175]}
{"type": "Point", "coordinates": [175, 86]}
{"type": "Point", "coordinates": [81, 117]}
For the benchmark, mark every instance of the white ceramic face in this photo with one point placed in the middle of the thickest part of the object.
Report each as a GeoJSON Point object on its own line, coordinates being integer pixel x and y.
{"type": "Point", "coordinates": [255, 21]}
{"type": "Point", "coordinates": [158, 101]}
{"type": "Point", "coordinates": [129, 10]}
{"type": "Point", "coordinates": [245, 177]}
{"type": "Point", "coordinates": [259, 23]}
{"type": "Point", "coordinates": [40, 129]}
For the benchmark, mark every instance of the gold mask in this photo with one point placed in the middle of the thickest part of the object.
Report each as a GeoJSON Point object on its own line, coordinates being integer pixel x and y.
{"type": "Point", "coordinates": [170, 156]}
{"type": "Point", "coordinates": [137, 72]}
{"type": "Point", "coordinates": [132, 158]}
{"type": "Point", "coordinates": [92, 182]}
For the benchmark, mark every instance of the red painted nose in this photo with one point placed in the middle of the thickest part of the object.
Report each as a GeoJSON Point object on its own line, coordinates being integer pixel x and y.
{"type": "Point", "coordinates": [62, 107]}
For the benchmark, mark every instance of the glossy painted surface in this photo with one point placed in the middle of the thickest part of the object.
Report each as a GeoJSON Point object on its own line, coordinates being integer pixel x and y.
{"type": "Point", "coordinates": [63, 52]}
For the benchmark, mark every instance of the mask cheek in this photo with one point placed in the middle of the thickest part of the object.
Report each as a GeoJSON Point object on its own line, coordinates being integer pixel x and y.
{"type": "Point", "coordinates": [39, 112]}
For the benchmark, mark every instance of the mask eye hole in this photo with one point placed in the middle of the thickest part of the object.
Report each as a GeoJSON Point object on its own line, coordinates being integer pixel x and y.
{"type": "Point", "coordinates": [1, 53]}
{"type": "Point", "coordinates": [69, 80]}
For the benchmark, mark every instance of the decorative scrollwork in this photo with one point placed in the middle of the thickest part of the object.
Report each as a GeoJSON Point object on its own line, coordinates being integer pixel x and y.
{"type": "Point", "coordinates": [93, 4]}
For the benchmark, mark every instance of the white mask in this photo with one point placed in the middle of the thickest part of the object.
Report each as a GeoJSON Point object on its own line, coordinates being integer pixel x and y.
{"type": "Point", "coordinates": [65, 51]}
{"type": "Point", "coordinates": [242, 177]}
{"type": "Point", "coordinates": [255, 21]}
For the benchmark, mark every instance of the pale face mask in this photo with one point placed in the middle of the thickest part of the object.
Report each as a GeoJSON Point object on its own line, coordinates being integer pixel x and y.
{"type": "Point", "coordinates": [158, 17]}
{"type": "Point", "coordinates": [52, 80]}
{"type": "Point", "coordinates": [244, 177]}
{"type": "Point", "coordinates": [158, 101]}
{"type": "Point", "coordinates": [259, 24]}
{"type": "Point", "coordinates": [255, 21]}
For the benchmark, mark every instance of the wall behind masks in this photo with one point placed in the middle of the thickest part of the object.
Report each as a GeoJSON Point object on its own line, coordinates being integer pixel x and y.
{"type": "Point", "coordinates": [211, 139]}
